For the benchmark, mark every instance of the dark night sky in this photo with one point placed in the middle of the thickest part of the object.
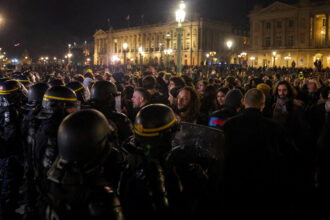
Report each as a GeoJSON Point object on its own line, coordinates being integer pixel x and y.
{"type": "Point", "coordinates": [45, 27]}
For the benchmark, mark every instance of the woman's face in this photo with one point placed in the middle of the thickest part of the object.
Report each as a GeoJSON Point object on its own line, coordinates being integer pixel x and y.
{"type": "Point", "coordinates": [201, 87]}
{"type": "Point", "coordinates": [221, 98]}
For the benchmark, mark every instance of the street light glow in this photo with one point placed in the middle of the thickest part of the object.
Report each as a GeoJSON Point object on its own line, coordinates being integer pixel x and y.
{"type": "Point", "coordinates": [140, 50]}
{"type": "Point", "coordinates": [229, 44]}
{"type": "Point", "coordinates": [115, 58]}
{"type": "Point", "coordinates": [274, 53]}
{"type": "Point", "coordinates": [180, 14]}
{"type": "Point", "coordinates": [69, 55]}
{"type": "Point", "coordinates": [125, 45]}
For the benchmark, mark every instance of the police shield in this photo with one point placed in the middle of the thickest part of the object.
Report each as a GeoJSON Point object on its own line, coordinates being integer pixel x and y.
{"type": "Point", "coordinates": [203, 140]}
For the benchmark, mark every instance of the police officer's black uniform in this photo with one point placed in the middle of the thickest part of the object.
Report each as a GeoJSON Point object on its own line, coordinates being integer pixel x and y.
{"type": "Point", "coordinates": [78, 189]}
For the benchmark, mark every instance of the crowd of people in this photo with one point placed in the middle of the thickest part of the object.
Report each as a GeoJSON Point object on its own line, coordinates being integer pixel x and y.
{"type": "Point", "coordinates": [108, 144]}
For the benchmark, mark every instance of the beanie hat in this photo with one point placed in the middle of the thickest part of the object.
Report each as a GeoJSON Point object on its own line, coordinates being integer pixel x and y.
{"type": "Point", "coordinates": [233, 99]}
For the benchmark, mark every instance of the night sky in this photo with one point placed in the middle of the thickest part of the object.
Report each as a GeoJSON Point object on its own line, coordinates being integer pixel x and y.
{"type": "Point", "coordinates": [45, 27]}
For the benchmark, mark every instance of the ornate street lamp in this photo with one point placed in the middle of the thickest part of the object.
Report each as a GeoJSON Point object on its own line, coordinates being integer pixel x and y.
{"type": "Point", "coordinates": [180, 16]}
{"type": "Point", "coordinates": [141, 57]}
{"type": "Point", "coordinates": [274, 56]}
{"type": "Point", "coordinates": [229, 44]}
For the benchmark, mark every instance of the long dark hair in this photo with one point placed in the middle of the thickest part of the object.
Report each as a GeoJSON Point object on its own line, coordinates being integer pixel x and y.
{"type": "Point", "coordinates": [194, 105]}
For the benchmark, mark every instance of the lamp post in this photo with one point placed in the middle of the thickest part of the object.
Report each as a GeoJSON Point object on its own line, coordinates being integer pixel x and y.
{"type": "Point", "coordinates": [69, 58]}
{"type": "Point", "coordinates": [125, 45]}
{"type": "Point", "coordinates": [274, 56]}
{"type": "Point", "coordinates": [141, 56]}
{"type": "Point", "coordinates": [229, 44]}
{"type": "Point", "coordinates": [180, 16]}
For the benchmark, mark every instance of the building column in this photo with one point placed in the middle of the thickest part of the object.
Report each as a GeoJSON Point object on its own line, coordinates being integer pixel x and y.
{"type": "Point", "coordinates": [312, 35]}
{"type": "Point", "coordinates": [314, 31]}
{"type": "Point", "coordinates": [326, 29]}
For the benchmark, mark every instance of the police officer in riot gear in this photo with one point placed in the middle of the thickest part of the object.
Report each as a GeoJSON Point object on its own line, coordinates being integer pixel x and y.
{"type": "Point", "coordinates": [23, 80]}
{"type": "Point", "coordinates": [58, 102]}
{"type": "Point", "coordinates": [103, 98]}
{"type": "Point", "coordinates": [11, 170]}
{"type": "Point", "coordinates": [80, 91]}
{"type": "Point", "coordinates": [29, 126]}
{"type": "Point", "coordinates": [150, 188]}
{"type": "Point", "coordinates": [85, 141]}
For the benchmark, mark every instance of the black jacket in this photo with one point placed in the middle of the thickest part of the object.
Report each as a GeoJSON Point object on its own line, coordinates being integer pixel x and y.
{"type": "Point", "coordinates": [259, 166]}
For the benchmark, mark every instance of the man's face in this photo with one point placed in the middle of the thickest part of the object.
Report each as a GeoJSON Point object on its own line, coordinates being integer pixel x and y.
{"type": "Point", "coordinates": [282, 91]}
{"type": "Point", "coordinates": [183, 100]}
{"type": "Point", "coordinates": [136, 99]}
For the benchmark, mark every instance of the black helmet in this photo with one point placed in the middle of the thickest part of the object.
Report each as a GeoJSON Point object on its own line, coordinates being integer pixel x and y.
{"type": "Point", "coordinates": [155, 125]}
{"type": "Point", "coordinates": [58, 97]}
{"type": "Point", "coordinates": [11, 93]}
{"type": "Point", "coordinates": [154, 120]}
{"type": "Point", "coordinates": [103, 93]}
{"type": "Point", "coordinates": [36, 93]}
{"type": "Point", "coordinates": [79, 89]}
{"type": "Point", "coordinates": [85, 140]}
{"type": "Point", "coordinates": [56, 82]}
{"type": "Point", "coordinates": [8, 87]}
{"type": "Point", "coordinates": [22, 79]}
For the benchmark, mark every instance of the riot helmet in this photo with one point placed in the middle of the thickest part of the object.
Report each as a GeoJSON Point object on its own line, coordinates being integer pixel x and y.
{"type": "Point", "coordinates": [22, 79]}
{"type": "Point", "coordinates": [11, 93]}
{"type": "Point", "coordinates": [56, 82]}
{"type": "Point", "coordinates": [36, 93]}
{"type": "Point", "coordinates": [85, 140]}
{"type": "Point", "coordinates": [155, 124]}
{"type": "Point", "coordinates": [103, 95]}
{"type": "Point", "coordinates": [79, 89]}
{"type": "Point", "coordinates": [58, 98]}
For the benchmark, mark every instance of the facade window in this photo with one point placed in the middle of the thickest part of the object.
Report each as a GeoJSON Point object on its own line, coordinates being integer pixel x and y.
{"type": "Point", "coordinates": [267, 41]}
{"type": "Point", "coordinates": [174, 46]}
{"type": "Point", "coordinates": [290, 41]}
{"type": "Point", "coordinates": [302, 38]}
{"type": "Point", "coordinates": [188, 45]}
{"type": "Point", "coordinates": [267, 25]}
{"type": "Point", "coordinates": [279, 24]}
{"type": "Point", "coordinates": [291, 23]}
{"type": "Point", "coordinates": [279, 41]}
{"type": "Point", "coordinates": [324, 22]}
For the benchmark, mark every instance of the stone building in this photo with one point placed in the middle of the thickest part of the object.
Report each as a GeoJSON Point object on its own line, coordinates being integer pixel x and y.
{"type": "Point", "coordinates": [281, 34]}
{"type": "Point", "coordinates": [200, 37]}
